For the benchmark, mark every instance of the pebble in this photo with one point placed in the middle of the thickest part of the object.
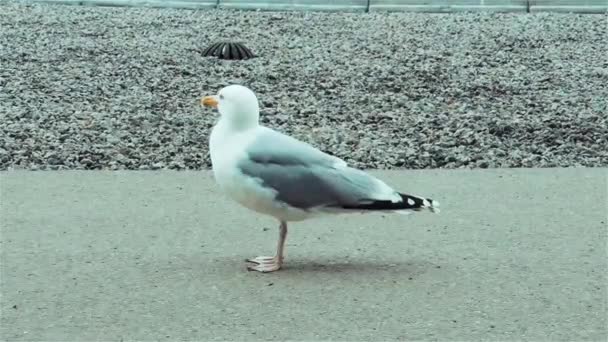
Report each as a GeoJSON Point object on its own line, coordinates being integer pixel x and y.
{"type": "Point", "coordinates": [118, 88]}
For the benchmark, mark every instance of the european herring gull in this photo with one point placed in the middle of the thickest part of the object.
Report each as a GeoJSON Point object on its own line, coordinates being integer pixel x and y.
{"type": "Point", "coordinates": [277, 175]}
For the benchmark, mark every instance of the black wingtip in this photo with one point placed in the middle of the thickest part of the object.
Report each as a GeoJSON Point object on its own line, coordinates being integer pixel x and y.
{"type": "Point", "coordinates": [408, 202]}
{"type": "Point", "coordinates": [421, 203]}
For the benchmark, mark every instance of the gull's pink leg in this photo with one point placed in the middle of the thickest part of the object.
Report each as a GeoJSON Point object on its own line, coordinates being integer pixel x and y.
{"type": "Point", "coordinates": [270, 264]}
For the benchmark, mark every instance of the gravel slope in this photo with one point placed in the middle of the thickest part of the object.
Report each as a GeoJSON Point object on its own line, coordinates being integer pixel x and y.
{"type": "Point", "coordinates": [117, 88]}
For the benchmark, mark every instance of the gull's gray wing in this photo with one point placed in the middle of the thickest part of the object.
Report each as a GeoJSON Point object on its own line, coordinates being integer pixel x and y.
{"type": "Point", "coordinates": [305, 177]}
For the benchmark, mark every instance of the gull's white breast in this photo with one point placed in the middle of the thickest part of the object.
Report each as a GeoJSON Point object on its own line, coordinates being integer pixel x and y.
{"type": "Point", "coordinates": [227, 150]}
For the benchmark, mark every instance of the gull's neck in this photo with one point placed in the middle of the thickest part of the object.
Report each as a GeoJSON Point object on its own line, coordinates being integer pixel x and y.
{"type": "Point", "coordinates": [240, 123]}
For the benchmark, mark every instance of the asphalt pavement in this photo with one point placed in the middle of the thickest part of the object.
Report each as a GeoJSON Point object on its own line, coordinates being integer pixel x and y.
{"type": "Point", "coordinates": [515, 254]}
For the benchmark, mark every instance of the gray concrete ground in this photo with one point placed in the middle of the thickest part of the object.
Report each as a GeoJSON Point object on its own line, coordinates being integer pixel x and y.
{"type": "Point", "coordinates": [514, 255]}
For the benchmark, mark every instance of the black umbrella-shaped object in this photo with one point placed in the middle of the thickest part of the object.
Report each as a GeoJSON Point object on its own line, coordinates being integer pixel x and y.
{"type": "Point", "coordinates": [226, 50]}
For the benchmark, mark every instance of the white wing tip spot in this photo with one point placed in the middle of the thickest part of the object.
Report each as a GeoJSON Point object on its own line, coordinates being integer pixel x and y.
{"type": "Point", "coordinates": [410, 201]}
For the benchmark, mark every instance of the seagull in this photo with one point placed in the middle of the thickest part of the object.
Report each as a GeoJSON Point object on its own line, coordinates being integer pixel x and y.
{"type": "Point", "coordinates": [276, 175]}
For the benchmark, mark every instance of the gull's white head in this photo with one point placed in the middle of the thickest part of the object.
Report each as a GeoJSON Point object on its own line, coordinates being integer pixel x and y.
{"type": "Point", "coordinates": [237, 105]}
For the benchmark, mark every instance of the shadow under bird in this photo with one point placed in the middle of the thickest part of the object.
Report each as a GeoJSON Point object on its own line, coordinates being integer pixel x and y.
{"type": "Point", "coordinates": [290, 180]}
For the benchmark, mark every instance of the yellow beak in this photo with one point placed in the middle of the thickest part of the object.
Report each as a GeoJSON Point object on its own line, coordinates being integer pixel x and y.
{"type": "Point", "coordinates": [209, 101]}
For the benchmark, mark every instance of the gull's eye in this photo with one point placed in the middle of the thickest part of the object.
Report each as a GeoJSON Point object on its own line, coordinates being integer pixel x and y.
{"type": "Point", "coordinates": [221, 97]}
